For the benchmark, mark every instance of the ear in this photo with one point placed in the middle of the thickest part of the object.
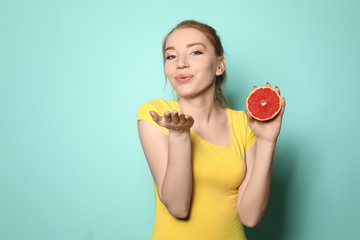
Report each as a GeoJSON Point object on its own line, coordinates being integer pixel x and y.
{"type": "Point", "coordinates": [221, 64]}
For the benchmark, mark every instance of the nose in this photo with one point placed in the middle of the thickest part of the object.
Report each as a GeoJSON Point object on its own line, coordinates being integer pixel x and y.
{"type": "Point", "coordinates": [182, 62]}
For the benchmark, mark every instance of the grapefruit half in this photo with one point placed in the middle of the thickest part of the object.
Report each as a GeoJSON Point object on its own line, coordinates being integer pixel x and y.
{"type": "Point", "coordinates": [263, 103]}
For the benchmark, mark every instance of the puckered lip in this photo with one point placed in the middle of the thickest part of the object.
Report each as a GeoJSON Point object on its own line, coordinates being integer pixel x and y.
{"type": "Point", "coordinates": [184, 77]}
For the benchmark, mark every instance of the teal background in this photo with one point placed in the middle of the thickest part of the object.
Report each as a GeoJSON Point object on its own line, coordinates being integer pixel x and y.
{"type": "Point", "coordinates": [73, 74]}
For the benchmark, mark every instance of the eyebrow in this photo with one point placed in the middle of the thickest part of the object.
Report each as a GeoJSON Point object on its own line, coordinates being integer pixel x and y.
{"type": "Point", "coordinates": [187, 46]}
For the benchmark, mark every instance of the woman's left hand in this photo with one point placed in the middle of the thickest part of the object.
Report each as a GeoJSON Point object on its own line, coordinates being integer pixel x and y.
{"type": "Point", "coordinates": [267, 130]}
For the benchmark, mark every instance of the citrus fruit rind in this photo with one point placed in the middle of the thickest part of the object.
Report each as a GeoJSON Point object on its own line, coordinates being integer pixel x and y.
{"type": "Point", "coordinates": [263, 103]}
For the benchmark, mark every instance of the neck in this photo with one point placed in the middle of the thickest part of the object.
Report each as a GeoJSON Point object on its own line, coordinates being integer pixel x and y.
{"type": "Point", "coordinates": [202, 108]}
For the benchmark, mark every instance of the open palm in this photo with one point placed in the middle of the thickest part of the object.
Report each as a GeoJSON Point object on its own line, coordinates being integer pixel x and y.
{"type": "Point", "coordinates": [176, 122]}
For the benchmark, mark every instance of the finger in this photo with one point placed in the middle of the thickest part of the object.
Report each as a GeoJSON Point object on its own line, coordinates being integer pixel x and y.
{"type": "Point", "coordinates": [277, 89]}
{"type": "Point", "coordinates": [167, 117]}
{"type": "Point", "coordinates": [268, 84]}
{"type": "Point", "coordinates": [189, 119]}
{"type": "Point", "coordinates": [282, 106]}
{"type": "Point", "coordinates": [175, 117]}
{"type": "Point", "coordinates": [249, 117]}
{"type": "Point", "coordinates": [254, 87]}
{"type": "Point", "coordinates": [182, 117]}
{"type": "Point", "coordinates": [154, 116]}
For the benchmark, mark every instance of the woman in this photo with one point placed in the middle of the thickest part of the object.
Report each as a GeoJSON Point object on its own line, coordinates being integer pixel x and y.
{"type": "Point", "coordinates": [211, 165]}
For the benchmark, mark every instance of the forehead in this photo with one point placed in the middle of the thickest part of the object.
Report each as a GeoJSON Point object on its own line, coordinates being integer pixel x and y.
{"type": "Point", "coordinates": [185, 36]}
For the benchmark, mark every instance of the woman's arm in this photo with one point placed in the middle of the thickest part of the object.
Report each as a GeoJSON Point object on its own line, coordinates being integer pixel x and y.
{"type": "Point", "coordinates": [169, 159]}
{"type": "Point", "coordinates": [254, 192]}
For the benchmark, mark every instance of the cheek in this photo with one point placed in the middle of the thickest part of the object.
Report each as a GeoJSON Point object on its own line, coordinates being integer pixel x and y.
{"type": "Point", "coordinates": [212, 67]}
{"type": "Point", "coordinates": [207, 65]}
{"type": "Point", "coordinates": [208, 70]}
{"type": "Point", "coordinates": [167, 70]}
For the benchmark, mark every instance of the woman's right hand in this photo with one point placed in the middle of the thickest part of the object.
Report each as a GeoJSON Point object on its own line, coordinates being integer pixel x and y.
{"type": "Point", "coordinates": [176, 122]}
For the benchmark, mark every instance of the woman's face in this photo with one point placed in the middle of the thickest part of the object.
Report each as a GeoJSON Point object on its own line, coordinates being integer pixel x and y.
{"type": "Point", "coordinates": [190, 62]}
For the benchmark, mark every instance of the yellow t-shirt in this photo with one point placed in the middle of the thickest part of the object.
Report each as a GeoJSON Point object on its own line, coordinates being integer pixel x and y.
{"type": "Point", "coordinates": [217, 173]}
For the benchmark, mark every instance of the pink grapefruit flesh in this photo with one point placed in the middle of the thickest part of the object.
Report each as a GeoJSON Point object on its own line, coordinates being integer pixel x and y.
{"type": "Point", "coordinates": [263, 103]}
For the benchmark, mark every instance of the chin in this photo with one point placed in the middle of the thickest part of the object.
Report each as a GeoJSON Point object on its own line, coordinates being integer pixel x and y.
{"type": "Point", "coordinates": [183, 92]}
{"type": "Point", "coordinates": [185, 95]}
{"type": "Point", "coordinates": [188, 94]}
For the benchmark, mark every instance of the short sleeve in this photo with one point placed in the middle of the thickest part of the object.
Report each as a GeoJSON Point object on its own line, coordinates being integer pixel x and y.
{"type": "Point", "coordinates": [250, 138]}
{"type": "Point", "coordinates": [144, 114]}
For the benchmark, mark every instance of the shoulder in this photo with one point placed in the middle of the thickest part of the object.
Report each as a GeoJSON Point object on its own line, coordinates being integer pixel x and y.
{"type": "Point", "coordinates": [238, 116]}
{"type": "Point", "coordinates": [239, 120]}
{"type": "Point", "coordinates": [242, 129]}
{"type": "Point", "coordinates": [158, 105]}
